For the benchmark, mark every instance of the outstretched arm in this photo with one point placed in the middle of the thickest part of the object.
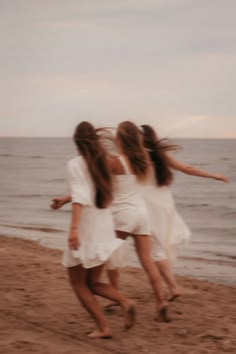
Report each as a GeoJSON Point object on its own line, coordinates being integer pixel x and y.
{"type": "Point", "coordinates": [193, 171]}
{"type": "Point", "coordinates": [58, 202]}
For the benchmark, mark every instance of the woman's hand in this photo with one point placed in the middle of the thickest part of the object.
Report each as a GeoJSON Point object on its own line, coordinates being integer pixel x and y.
{"type": "Point", "coordinates": [57, 203]}
{"type": "Point", "coordinates": [73, 239]}
{"type": "Point", "coordinates": [222, 178]}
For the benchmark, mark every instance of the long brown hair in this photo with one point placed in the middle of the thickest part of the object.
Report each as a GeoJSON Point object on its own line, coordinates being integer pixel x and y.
{"type": "Point", "coordinates": [157, 149]}
{"type": "Point", "coordinates": [131, 143]}
{"type": "Point", "coordinates": [90, 147]}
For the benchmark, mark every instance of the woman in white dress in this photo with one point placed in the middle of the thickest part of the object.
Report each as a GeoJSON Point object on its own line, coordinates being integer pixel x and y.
{"type": "Point", "coordinates": [91, 240]}
{"type": "Point", "coordinates": [128, 208]}
{"type": "Point", "coordinates": [168, 228]}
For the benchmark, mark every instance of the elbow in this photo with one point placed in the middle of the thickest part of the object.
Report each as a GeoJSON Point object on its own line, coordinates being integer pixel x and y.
{"type": "Point", "coordinates": [189, 170]}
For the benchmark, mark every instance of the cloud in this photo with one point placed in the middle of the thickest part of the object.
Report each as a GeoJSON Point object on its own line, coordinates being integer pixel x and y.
{"type": "Point", "coordinates": [165, 60]}
{"type": "Point", "coordinates": [203, 127]}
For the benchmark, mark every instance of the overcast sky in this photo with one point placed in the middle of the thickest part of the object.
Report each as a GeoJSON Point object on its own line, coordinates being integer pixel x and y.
{"type": "Point", "coordinates": [170, 63]}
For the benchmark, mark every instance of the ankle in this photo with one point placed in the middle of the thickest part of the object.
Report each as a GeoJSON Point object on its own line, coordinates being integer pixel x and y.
{"type": "Point", "coordinates": [162, 304]}
{"type": "Point", "coordinates": [174, 289]}
{"type": "Point", "coordinates": [104, 328]}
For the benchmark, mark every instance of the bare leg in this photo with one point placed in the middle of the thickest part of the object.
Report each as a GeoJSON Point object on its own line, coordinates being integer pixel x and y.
{"type": "Point", "coordinates": [113, 276]}
{"type": "Point", "coordinates": [166, 272]}
{"type": "Point", "coordinates": [109, 292]}
{"type": "Point", "coordinates": [143, 248]}
{"type": "Point", "coordinates": [78, 280]}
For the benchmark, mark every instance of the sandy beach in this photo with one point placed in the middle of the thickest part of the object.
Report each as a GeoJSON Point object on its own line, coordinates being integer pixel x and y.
{"type": "Point", "coordinates": [40, 314]}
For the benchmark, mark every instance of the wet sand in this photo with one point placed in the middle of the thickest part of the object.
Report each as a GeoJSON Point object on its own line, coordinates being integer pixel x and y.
{"type": "Point", "coordinates": [40, 314]}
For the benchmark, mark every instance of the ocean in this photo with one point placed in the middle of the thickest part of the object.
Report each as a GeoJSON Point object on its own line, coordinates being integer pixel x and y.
{"type": "Point", "coordinates": [33, 171]}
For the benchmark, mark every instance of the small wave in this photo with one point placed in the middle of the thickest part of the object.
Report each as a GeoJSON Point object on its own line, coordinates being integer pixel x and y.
{"type": "Point", "coordinates": [226, 256]}
{"type": "Point", "coordinates": [7, 155]}
{"type": "Point", "coordinates": [55, 180]}
{"type": "Point", "coordinates": [193, 205]}
{"type": "Point", "coordinates": [225, 159]}
{"type": "Point", "coordinates": [28, 196]}
{"type": "Point", "coordinates": [23, 156]}
{"type": "Point", "coordinates": [230, 261]}
{"type": "Point", "coordinates": [219, 242]}
{"type": "Point", "coordinates": [36, 157]}
{"type": "Point", "coordinates": [230, 213]}
{"type": "Point", "coordinates": [33, 228]}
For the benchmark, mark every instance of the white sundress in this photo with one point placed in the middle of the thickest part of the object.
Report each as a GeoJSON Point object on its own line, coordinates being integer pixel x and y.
{"type": "Point", "coordinates": [168, 228]}
{"type": "Point", "coordinates": [96, 228]}
{"type": "Point", "coordinates": [130, 215]}
{"type": "Point", "coordinates": [128, 208]}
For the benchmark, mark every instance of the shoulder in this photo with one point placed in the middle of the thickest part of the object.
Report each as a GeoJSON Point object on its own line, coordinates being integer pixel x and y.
{"type": "Point", "coordinates": [75, 164]}
{"type": "Point", "coordinates": [116, 165]}
{"type": "Point", "coordinates": [77, 160]}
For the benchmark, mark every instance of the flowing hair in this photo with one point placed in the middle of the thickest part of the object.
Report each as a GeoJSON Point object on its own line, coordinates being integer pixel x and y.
{"type": "Point", "coordinates": [90, 147]}
{"type": "Point", "coordinates": [157, 149]}
{"type": "Point", "coordinates": [131, 143]}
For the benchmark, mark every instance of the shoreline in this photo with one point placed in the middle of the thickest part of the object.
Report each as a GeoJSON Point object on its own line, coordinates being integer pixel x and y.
{"type": "Point", "coordinates": [40, 314]}
{"type": "Point", "coordinates": [218, 270]}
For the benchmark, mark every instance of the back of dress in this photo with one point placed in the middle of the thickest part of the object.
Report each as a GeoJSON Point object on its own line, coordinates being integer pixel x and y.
{"type": "Point", "coordinates": [125, 186]}
{"type": "Point", "coordinates": [96, 228]}
{"type": "Point", "coordinates": [167, 226]}
{"type": "Point", "coordinates": [128, 207]}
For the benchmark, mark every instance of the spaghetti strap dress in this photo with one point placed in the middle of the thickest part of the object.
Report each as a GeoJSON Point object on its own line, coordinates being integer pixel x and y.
{"type": "Point", "coordinates": [128, 208]}
{"type": "Point", "coordinates": [168, 230]}
{"type": "Point", "coordinates": [130, 215]}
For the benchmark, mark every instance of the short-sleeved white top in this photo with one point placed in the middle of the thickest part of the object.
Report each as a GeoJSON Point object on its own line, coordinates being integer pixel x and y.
{"type": "Point", "coordinates": [96, 229]}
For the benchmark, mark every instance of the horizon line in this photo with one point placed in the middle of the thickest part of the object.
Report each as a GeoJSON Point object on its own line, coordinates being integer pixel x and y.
{"type": "Point", "coordinates": [68, 137]}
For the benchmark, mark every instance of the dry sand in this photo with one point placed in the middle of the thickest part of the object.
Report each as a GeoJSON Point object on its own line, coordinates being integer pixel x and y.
{"type": "Point", "coordinates": [40, 314]}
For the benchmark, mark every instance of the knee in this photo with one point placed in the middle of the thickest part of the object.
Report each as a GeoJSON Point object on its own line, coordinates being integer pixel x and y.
{"type": "Point", "coordinates": [91, 284]}
{"type": "Point", "coordinates": [77, 286]}
{"type": "Point", "coordinates": [74, 284]}
{"type": "Point", "coordinates": [78, 289]}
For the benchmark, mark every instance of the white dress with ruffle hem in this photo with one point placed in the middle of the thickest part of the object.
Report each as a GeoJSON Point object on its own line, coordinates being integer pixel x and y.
{"type": "Point", "coordinates": [96, 228]}
{"type": "Point", "coordinates": [168, 228]}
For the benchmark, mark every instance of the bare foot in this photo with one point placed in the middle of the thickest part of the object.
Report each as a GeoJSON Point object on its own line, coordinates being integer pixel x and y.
{"type": "Point", "coordinates": [110, 306]}
{"type": "Point", "coordinates": [105, 334]}
{"type": "Point", "coordinates": [174, 296]}
{"type": "Point", "coordinates": [129, 312]}
{"type": "Point", "coordinates": [163, 314]}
